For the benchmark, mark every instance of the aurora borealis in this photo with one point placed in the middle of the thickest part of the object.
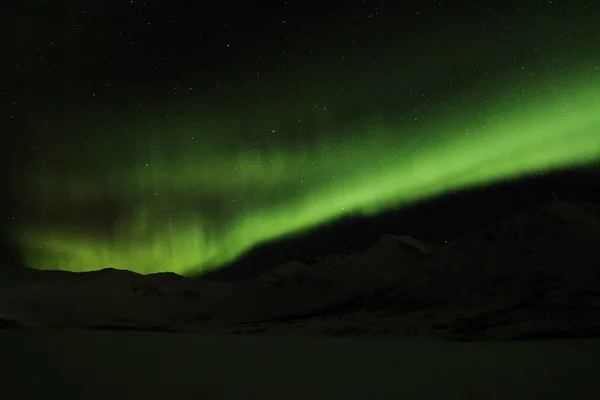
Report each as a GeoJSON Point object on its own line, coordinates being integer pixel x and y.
{"type": "Point", "coordinates": [190, 184]}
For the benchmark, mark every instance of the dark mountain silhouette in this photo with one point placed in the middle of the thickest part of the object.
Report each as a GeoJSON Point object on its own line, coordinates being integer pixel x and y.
{"type": "Point", "coordinates": [534, 275]}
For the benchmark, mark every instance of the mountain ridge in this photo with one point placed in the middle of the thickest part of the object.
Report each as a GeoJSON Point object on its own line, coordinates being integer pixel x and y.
{"type": "Point", "coordinates": [527, 276]}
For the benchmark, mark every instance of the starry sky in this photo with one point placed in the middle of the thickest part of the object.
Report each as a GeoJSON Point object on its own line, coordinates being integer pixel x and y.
{"type": "Point", "coordinates": [179, 135]}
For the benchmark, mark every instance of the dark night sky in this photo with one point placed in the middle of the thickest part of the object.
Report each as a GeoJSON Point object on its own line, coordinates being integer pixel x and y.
{"type": "Point", "coordinates": [94, 93]}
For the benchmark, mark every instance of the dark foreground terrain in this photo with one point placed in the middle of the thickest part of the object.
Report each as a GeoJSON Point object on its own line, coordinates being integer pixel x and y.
{"type": "Point", "coordinates": [42, 363]}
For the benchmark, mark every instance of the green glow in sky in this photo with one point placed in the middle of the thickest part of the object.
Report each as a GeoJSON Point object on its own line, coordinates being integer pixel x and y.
{"type": "Point", "coordinates": [193, 195]}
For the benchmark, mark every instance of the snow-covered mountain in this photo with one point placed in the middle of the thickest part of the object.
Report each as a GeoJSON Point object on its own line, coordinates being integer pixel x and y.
{"type": "Point", "coordinates": [114, 297]}
{"type": "Point", "coordinates": [536, 273]}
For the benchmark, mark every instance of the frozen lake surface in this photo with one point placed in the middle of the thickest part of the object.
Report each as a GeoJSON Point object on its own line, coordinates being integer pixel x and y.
{"type": "Point", "coordinates": [40, 363]}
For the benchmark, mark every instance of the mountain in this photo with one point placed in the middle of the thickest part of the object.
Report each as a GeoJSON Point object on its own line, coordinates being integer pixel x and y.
{"type": "Point", "coordinates": [533, 275]}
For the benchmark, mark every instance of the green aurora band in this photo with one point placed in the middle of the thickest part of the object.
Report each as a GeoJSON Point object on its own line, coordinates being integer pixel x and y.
{"type": "Point", "coordinates": [187, 204]}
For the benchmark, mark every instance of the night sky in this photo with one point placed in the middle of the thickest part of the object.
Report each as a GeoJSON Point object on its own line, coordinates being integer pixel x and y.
{"type": "Point", "coordinates": [180, 135]}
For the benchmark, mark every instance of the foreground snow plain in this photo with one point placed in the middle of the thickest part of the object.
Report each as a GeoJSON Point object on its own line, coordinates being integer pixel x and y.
{"type": "Point", "coordinates": [87, 364]}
